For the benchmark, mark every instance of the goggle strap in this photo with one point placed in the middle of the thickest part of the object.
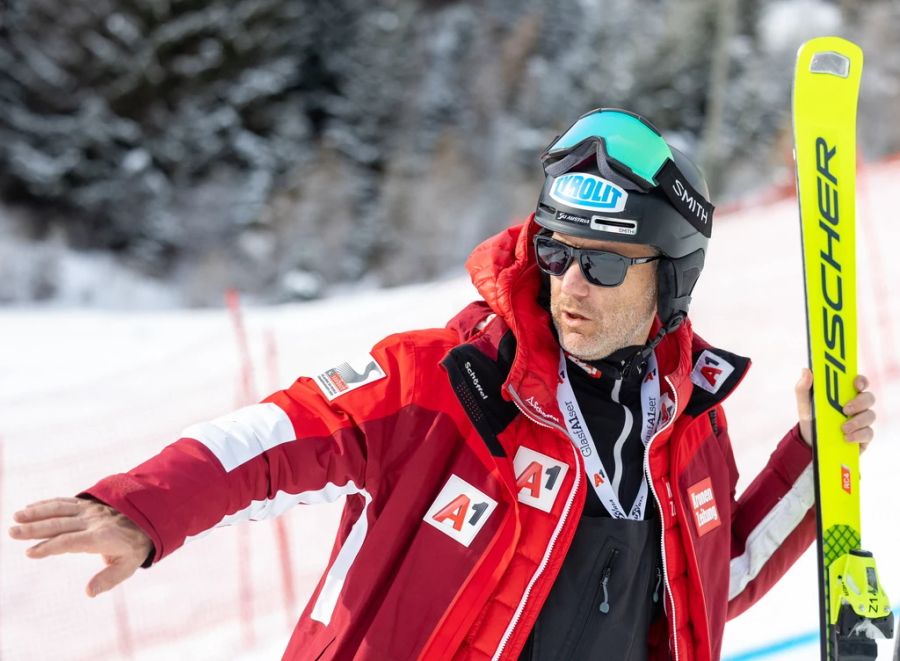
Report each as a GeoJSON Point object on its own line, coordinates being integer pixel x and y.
{"type": "Point", "coordinates": [689, 202]}
{"type": "Point", "coordinates": [607, 171]}
{"type": "Point", "coordinates": [577, 155]}
{"type": "Point", "coordinates": [584, 151]}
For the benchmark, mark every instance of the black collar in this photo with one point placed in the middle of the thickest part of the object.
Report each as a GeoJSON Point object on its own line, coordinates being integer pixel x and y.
{"type": "Point", "coordinates": [602, 374]}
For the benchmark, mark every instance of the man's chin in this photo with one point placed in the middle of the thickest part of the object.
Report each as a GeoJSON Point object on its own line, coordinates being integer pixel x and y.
{"type": "Point", "coordinates": [580, 346]}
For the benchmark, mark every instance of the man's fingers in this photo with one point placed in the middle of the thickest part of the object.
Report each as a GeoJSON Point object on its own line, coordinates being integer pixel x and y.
{"type": "Point", "coordinates": [47, 528]}
{"type": "Point", "coordinates": [863, 436]}
{"type": "Point", "coordinates": [86, 541]}
{"type": "Point", "coordinates": [57, 499]}
{"type": "Point", "coordinates": [46, 509]}
{"type": "Point", "coordinates": [864, 400]}
{"type": "Point", "coordinates": [110, 577]}
{"type": "Point", "coordinates": [864, 419]}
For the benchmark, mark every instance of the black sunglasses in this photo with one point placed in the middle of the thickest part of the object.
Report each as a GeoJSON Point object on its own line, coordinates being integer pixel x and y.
{"type": "Point", "coordinates": [599, 267]}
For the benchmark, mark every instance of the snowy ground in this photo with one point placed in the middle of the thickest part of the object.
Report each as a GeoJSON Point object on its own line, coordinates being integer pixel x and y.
{"type": "Point", "coordinates": [85, 393]}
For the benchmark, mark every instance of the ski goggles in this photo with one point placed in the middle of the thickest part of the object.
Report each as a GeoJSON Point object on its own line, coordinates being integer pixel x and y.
{"type": "Point", "coordinates": [599, 267]}
{"type": "Point", "coordinates": [626, 144]}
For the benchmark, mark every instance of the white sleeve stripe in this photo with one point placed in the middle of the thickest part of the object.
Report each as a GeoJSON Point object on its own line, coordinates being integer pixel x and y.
{"type": "Point", "coordinates": [768, 536]}
{"type": "Point", "coordinates": [257, 510]}
{"type": "Point", "coordinates": [324, 607]}
{"type": "Point", "coordinates": [242, 435]}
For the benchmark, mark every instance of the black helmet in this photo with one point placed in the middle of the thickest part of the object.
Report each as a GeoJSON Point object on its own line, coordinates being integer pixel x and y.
{"type": "Point", "coordinates": [590, 194]}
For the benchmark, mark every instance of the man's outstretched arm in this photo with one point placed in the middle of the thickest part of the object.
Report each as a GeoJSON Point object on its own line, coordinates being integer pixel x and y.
{"type": "Point", "coordinates": [300, 445]}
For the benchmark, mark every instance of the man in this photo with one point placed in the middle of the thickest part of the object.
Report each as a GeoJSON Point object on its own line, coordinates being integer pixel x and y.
{"type": "Point", "coordinates": [549, 477]}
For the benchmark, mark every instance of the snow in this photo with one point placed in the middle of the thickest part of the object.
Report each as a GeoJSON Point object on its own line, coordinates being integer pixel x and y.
{"type": "Point", "coordinates": [88, 392]}
{"type": "Point", "coordinates": [54, 274]}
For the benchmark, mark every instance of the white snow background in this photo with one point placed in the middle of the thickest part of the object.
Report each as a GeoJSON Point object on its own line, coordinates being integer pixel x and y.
{"type": "Point", "coordinates": [85, 393]}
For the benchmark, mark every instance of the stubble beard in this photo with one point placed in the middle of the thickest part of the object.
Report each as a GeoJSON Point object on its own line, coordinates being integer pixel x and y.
{"type": "Point", "coordinates": [609, 330]}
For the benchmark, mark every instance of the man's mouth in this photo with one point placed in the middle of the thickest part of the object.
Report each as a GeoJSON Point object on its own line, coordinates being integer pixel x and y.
{"type": "Point", "coordinates": [571, 316]}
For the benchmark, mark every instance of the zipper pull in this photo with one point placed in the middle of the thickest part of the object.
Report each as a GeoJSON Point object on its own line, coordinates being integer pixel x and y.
{"type": "Point", "coordinates": [656, 589]}
{"type": "Point", "coordinates": [604, 607]}
{"type": "Point", "coordinates": [604, 582]}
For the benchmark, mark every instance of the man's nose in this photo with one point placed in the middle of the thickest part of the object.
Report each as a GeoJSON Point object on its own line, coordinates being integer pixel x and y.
{"type": "Point", "coordinates": [574, 282]}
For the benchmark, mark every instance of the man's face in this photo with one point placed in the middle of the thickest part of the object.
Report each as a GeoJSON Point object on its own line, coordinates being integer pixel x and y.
{"type": "Point", "coordinates": [594, 321]}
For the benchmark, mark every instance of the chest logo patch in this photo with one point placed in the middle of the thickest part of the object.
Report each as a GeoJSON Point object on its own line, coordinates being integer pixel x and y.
{"type": "Point", "coordinates": [539, 478]}
{"type": "Point", "coordinates": [348, 376]}
{"type": "Point", "coordinates": [711, 371]}
{"type": "Point", "coordinates": [460, 510]}
{"type": "Point", "coordinates": [703, 503]}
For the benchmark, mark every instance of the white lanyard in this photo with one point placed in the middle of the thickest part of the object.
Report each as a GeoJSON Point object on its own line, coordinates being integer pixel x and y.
{"type": "Point", "coordinates": [582, 439]}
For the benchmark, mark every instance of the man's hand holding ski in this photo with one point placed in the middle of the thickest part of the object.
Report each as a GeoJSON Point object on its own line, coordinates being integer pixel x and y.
{"type": "Point", "coordinates": [77, 525]}
{"type": "Point", "coordinates": [857, 428]}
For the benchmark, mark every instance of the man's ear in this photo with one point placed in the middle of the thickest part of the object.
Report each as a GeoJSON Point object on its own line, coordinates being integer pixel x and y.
{"type": "Point", "coordinates": [676, 279]}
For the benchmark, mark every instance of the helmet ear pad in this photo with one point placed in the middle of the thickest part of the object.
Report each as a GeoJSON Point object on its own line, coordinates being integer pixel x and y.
{"type": "Point", "coordinates": [675, 282]}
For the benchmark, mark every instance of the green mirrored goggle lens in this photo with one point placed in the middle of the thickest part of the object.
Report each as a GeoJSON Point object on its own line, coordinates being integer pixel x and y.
{"type": "Point", "coordinates": [628, 140]}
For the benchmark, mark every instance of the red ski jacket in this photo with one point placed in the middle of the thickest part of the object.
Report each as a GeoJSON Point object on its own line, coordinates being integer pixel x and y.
{"type": "Point", "coordinates": [464, 490]}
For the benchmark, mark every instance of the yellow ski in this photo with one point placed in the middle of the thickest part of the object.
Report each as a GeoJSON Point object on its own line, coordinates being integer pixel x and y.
{"type": "Point", "coordinates": [854, 608]}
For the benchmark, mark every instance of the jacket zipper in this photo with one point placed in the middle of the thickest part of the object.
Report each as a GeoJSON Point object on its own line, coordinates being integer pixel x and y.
{"type": "Point", "coordinates": [559, 526]}
{"type": "Point", "coordinates": [604, 580]}
{"type": "Point", "coordinates": [662, 541]}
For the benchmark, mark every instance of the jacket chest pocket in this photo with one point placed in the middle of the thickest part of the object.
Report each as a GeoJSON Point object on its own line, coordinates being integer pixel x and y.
{"type": "Point", "coordinates": [602, 602]}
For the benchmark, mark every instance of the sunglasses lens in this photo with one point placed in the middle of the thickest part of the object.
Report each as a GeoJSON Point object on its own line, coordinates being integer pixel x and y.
{"type": "Point", "coordinates": [553, 257]}
{"type": "Point", "coordinates": [599, 268]}
{"type": "Point", "coordinates": [604, 269]}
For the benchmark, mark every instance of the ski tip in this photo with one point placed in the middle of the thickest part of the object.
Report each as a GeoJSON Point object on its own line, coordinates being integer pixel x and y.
{"type": "Point", "coordinates": [830, 55]}
{"type": "Point", "coordinates": [830, 65]}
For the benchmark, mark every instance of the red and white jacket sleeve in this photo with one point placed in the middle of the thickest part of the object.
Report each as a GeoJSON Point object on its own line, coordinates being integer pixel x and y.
{"type": "Point", "coordinates": [773, 521]}
{"type": "Point", "coordinates": [294, 447]}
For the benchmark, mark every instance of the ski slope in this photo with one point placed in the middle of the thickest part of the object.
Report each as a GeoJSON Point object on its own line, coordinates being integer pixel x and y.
{"type": "Point", "coordinates": [84, 393]}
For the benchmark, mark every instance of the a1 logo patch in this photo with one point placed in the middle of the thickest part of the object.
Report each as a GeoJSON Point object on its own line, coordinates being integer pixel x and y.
{"type": "Point", "coordinates": [703, 503]}
{"type": "Point", "coordinates": [539, 478]}
{"type": "Point", "coordinates": [711, 371]}
{"type": "Point", "coordinates": [460, 510]}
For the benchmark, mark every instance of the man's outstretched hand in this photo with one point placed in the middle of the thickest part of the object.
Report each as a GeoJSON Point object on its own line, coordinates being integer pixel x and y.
{"type": "Point", "coordinates": [858, 426]}
{"type": "Point", "coordinates": [77, 525]}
